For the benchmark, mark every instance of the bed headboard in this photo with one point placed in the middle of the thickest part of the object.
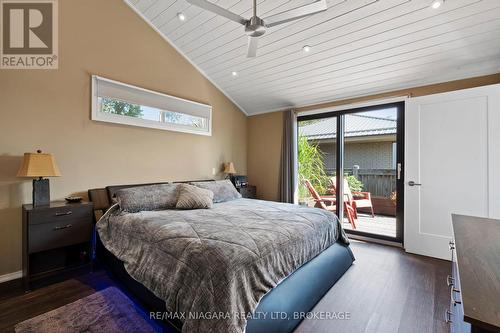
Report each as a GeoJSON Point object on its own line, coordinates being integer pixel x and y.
{"type": "Point", "coordinates": [102, 197]}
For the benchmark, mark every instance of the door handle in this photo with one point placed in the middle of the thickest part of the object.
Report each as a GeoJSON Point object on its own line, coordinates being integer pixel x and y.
{"type": "Point", "coordinates": [412, 183]}
{"type": "Point", "coordinates": [450, 280]}
{"type": "Point", "coordinates": [452, 298]}
{"type": "Point", "coordinates": [447, 316]}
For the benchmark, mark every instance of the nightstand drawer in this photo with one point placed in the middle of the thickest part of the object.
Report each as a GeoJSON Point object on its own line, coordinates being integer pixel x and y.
{"type": "Point", "coordinates": [248, 192]}
{"type": "Point", "coordinates": [59, 233]}
{"type": "Point", "coordinates": [60, 214]}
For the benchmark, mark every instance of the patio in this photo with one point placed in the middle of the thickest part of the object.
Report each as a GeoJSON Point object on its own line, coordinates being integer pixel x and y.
{"type": "Point", "coordinates": [379, 225]}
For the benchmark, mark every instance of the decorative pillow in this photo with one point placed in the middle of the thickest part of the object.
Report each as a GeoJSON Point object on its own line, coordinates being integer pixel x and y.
{"type": "Point", "coordinates": [192, 197]}
{"type": "Point", "coordinates": [148, 197]}
{"type": "Point", "coordinates": [223, 190]}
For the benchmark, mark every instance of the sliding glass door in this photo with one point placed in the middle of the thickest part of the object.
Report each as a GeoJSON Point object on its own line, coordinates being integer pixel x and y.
{"type": "Point", "coordinates": [317, 158]}
{"type": "Point", "coordinates": [365, 146]}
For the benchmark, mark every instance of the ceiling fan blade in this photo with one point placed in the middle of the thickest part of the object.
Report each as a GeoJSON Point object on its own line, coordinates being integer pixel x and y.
{"type": "Point", "coordinates": [296, 13]}
{"type": "Point", "coordinates": [207, 5]}
{"type": "Point", "coordinates": [253, 43]}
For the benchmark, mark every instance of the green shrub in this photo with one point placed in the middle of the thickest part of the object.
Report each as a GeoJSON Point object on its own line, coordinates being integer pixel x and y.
{"type": "Point", "coordinates": [354, 184]}
{"type": "Point", "coordinates": [311, 167]}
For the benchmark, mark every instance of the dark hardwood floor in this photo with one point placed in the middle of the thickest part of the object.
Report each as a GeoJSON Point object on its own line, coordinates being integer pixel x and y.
{"type": "Point", "coordinates": [386, 290]}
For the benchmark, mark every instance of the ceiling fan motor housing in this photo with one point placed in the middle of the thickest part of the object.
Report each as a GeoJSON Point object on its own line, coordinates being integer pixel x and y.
{"type": "Point", "coordinates": [255, 27]}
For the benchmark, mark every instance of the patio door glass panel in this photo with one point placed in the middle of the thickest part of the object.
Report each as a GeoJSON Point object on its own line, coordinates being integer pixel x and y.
{"type": "Point", "coordinates": [370, 171]}
{"type": "Point", "coordinates": [317, 151]}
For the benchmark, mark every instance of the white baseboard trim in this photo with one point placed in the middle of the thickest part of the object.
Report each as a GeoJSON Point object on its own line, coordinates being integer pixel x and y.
{"type": "Point", "coordinates": [11, 276]}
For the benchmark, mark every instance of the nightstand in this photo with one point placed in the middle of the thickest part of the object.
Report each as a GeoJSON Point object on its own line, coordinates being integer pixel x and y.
{"type": "Point", "coordinates": [56, 238]}
{"type": "Point", "coordinates": [249, 191]}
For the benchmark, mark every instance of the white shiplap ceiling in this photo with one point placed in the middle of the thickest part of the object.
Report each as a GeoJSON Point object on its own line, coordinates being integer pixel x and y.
{"type": "Point", "coordinates": [359, 47]}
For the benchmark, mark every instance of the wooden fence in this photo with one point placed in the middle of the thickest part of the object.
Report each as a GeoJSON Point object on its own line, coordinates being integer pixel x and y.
{"type": "Point", "coordinates": [379, 182]}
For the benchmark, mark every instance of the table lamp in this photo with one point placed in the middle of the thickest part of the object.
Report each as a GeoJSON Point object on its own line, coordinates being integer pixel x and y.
{"type": "Point", "coordinates": [38, 165]}
{"type": "Point", "coordinates": [229, 169]}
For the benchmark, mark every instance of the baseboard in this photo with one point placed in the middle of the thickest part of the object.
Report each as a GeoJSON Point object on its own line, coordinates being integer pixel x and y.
{"type": "Point", "coordinates": [11, 276]}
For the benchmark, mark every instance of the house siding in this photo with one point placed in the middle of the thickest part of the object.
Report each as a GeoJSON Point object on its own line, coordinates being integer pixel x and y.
{"type": "Point", "coordinates": [368, 155]}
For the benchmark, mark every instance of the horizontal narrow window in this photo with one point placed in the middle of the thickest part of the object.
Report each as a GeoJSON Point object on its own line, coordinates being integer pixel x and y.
{"type": "Point", "coordinates": [122, 103]}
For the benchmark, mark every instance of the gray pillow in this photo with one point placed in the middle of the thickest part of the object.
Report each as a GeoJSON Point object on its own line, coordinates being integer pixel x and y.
{"type": "Point", "coordinates": [148, 197]}
{"type": "Point", "coordinates": [223, 190]}
{"type": "Point", "coordinates": [192, 197]}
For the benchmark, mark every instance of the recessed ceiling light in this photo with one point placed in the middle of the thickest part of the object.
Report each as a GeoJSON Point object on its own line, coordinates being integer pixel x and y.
{"type": "Point", "coordinates": [436, 4]}
{"type": "Point", "coordinates": [181, 16]}
{"type": "Point", "coordinates": [234, 73]}
{"type": "Point", "coordinates": [306, 48]}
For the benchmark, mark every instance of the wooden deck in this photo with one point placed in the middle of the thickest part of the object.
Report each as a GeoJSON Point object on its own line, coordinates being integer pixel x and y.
{"type": "Point", "coordinates": [379, 225]}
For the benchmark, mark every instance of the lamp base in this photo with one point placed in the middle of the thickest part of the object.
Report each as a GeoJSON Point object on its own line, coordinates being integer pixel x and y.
{"type": "Point", "coordinates": [41, 192]}
{"type": "Point", "coordinates": [232, 179]}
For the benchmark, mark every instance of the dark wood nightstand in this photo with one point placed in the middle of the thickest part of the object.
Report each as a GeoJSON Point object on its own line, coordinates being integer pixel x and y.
{"type": "Point", "coordinates": [249, 191]}
{"type": "Point", "coordinates": [56, 238]}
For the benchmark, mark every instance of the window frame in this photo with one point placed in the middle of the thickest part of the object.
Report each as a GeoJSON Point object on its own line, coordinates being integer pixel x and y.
{"type": "Point", "coordinates": [98, 115]}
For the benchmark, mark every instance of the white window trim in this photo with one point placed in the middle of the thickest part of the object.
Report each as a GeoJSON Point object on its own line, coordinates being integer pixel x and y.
{"type": "Point", "coordinates": [131, 121]}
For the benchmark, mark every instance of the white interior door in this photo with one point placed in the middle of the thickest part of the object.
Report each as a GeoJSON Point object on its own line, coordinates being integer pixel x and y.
{"type": "Point", "coordinates": [452, 144]}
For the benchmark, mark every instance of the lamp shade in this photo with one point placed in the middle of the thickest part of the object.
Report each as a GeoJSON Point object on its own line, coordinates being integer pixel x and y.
{"type": "Point", "coordinates": [38, 165]}
{"type": "Point", "coordinates": [229, 168]}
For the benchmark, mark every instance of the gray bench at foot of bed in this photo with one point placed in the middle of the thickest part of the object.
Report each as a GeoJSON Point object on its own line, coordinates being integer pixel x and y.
{"type": "Point", "coordinates": [278, 309]}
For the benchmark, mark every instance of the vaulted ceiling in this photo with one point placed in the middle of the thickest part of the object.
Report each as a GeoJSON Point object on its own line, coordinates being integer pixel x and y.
{"type": "Point", "coordinates": [358, 47]}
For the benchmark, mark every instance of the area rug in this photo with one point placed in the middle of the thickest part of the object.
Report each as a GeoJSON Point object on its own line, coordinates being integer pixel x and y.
{"type": "Point", "coordinates": [108, 310]}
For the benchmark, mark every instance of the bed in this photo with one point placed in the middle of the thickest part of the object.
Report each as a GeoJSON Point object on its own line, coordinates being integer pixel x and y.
{"type": "Point", "coordinates": [243, 266]}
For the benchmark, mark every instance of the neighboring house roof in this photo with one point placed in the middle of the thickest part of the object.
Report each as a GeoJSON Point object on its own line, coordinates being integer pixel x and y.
{"type": "Point", "coordinates": [356, 125]}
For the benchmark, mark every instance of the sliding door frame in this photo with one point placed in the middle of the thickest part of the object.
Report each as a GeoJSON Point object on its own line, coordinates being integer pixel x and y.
{"type": "Point", "coordinates": [340, 144]}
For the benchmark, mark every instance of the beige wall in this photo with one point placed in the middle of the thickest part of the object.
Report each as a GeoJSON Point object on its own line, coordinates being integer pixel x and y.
{"type": "Point", "coordinates": [264, 132]}
{"type": "Point", "coordinates": [417, 91]}
{"type": "Point", "coordinates": [50, 110]}
{"type": "Point", "coordinates": [264, 153]}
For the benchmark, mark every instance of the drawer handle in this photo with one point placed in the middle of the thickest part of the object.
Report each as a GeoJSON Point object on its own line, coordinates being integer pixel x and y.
{"type": "Point", "coordinates": [64, 213]}
{"type": "Point", "coordinates": [453, 300]}
{"type": "Point", "coordinates": [447, 316]}
{"type": "Point", "coordinates": [450, 280]}
{"type": "Point", "coordinates": [451, 244]}
{"type": "Point", "coordinates": [63, 227]}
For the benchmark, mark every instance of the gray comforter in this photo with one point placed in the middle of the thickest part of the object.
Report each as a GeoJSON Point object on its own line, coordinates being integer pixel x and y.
{"type": "Point", "coordinates": [219, 262]}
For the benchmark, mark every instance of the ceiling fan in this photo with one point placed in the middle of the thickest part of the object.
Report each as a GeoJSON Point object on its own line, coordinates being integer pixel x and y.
{"type": "Point", "coordinates": [256, 26]}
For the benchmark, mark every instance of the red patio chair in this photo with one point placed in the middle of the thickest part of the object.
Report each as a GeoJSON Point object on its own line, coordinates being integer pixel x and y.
{"type": "Point", "coordinates": [328, 202]}
{"type": "Point", "coordinates": [364, 201]}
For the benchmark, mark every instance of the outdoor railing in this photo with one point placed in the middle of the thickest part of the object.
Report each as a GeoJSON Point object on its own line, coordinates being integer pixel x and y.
{"type": "Point", "coordinates": [379, 182]}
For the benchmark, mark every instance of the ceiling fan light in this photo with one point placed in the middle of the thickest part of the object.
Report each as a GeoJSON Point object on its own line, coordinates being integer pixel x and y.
{"type": "Point", "coordinates": [181, 16]}
{"type": "Point", "coordinates": [436, 4]}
